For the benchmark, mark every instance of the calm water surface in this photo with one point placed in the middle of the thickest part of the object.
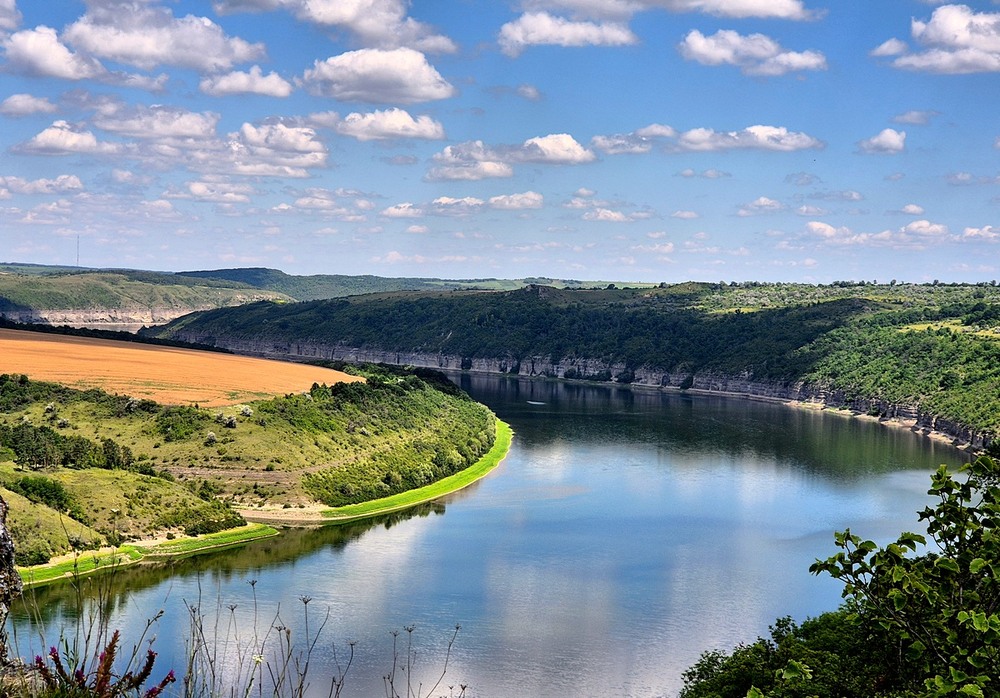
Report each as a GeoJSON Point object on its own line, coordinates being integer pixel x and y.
{"type": "Point", "coordinates": [626, 532]}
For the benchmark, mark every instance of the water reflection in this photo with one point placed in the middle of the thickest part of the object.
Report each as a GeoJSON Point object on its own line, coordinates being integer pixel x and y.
{"type": "Point", "coordinates": [626, 532]}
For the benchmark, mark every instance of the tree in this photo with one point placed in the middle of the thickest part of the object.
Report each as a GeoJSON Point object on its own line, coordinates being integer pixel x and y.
{"type": "Point", "coordinates": [941, 599]}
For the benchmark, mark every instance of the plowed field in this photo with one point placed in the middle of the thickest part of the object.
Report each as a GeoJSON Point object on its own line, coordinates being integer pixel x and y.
{"type": "Point", "coordinates": [165, 374]}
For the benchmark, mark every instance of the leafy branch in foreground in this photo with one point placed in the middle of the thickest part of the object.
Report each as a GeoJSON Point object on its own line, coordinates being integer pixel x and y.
{"type": "Point", "coordinates": [943, 604]}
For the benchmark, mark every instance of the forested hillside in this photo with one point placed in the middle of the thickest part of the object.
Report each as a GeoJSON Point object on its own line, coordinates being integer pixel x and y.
{"type": "Point", "coordinates": [122, 468]}
{"type": "Point", "coordinates": [935, 347]}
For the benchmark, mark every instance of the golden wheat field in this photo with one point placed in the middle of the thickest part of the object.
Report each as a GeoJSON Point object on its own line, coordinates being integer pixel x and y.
{"type": "Point", "coordinates": [165, 374]}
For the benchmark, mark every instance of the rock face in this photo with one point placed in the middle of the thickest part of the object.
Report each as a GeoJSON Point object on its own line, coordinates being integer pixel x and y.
{"type": "Point", "coordinates": [10, 580]}
{"type": "Point", "coordinates": [595, 369]}
{"type": "Point", "coordinates": [122, 319]}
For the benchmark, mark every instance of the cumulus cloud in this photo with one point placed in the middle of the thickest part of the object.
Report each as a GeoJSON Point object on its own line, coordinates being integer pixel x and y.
{"type": "Point", "coordinates": [375, 23]}
{"type": "Point", "coordinates": [704, 174]}
{"type": "Point", "coordinates": [471, 160]}
{"type": "Point", "coordinates": [250, 82]}
{"type": "Point", "coordinates": [754, 54]}
{"type": "Point", "coordinates": [39, 51]}
{"type": "Point", "coordinates": [449, 206]}
{"type": "Point", "coordinates": [10, 18]}
{"type": "Point", "coordinates": [761, 204]}
{"type": "Point", "coordinates": [913, 210]}
{"type": "Point", "coordinates": [988, 233]}
{"type": "Point", "coordinates": [388, 124]}
{"type": "Point", "coordinates": [887, 141]}
{"type": "Point", "coordinates": [955, 40]}
{"type": "Point", "coordinates": [25, 104]}
{"type": "Point", "coordinates": [556, 148]}
{"type": "Point", "coordinates": [145, 36]}
{"type": "Point", "coordinates": [378, 76]}
{"type": "Point", "coordinates": [517, 202]}
{"type": "Point", "coordinates": [63, 138]}
{"type": "Point", "coordinates": [541, 28]}
{"type": "Point", "coordinates": [217, 191]}
{"type": "Point", "coordinates": [892, 47]}
{"type": "Point", "coordinates": [684, 215]}
{"type": "Point", "coordinates": [916, 117]}
{"type": "Point", "coordinates": [402, 210]}
{"type": "Point", "coordinates": [639, 141]}
{"type": "Point", "coordinates": [773, 9]}
{"type": "Point", "coordinates": [753, 137]}
{"type": "Point", "coordinates": [606, 215]}
{"type": "Point", "coordinates": [60, 185]}
{"type": "Point", "coordinates": [272, 149]}
{"type": "Point", "coordinates": [917, 234]}
{"type": "Point", "coordinates": [474, 160]}
{"type": "Point", "coordinates": [157, 122]}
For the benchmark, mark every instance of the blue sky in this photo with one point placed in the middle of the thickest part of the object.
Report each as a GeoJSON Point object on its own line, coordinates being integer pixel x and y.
{"type": "Point", "coordinates": [645, 140]}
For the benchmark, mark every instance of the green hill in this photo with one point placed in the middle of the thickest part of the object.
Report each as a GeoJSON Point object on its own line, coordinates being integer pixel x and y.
{"type": "Point", "coordinates": [321, 286]}
{"type": "Point", "coordinates": [932, 347]}
{"type": "Point", "coordinates": [115, 468]}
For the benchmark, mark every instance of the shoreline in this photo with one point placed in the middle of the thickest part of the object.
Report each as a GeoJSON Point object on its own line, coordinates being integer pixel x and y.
{"type": "Point", "coordinates": [90, 562]}
{"type": "Point", "coordinates": [320, 515]}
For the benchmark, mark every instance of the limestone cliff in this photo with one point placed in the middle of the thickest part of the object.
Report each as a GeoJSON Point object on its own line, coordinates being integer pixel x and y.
{"type": "Point", "coordinates": [595, 369]}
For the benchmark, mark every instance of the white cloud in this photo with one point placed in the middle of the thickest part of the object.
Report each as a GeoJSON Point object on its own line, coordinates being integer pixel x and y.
{"type": "Point", "coordinates": [389, 124]}
{"type": "Point", "coordinates": [753, 137]}
{"type": "Point", "coordinates": [62, 138]}
{"type": "Point", "coordinates": [157, 122]}
{"type": "Point", "coordinates": [684, 215]}
{"type": "Point", "coordinates": [469, 161]}
{"type": "Point", "coordinates": [915, 117]}
{"type": "Point", "coordinates": [60, 185]}
{"type": "Point", "coordinates": [252, 82]}
{"type": "Point", "coordinates": [529, 92]}
{"type": "Point", "coordinates": [913, 210]}
{"type": "Point", "coordinates": [955, 40]}
{"type": "Point", "coordinates": [892, 47]}
{"type": "Point", "coordinates": [639, 141]}
{"type": "Point", "coordinates": [10, 18]}
{"type": "Point", "coordinates": [39, 52]}
{"type": "Point", "coordinates": [807, 210]}
{"type": "Point", "coordinates": [606, 215]}
{"type": "Point", "coordinates": [916, 235]}
{"type": "Point", "coordinates": [25, 104]}
{"type": "Point", "coordinates": [556, 148]}
{"type": "Point", "coordinates": [541, 28]}
{"type": "Point", "coordinates": [773, 9]}
{"type": "Point", "coordinates": [515, 202]}
{"type": "Point", "coordinates": [145, 36]}
{"type": "Point", "coordinates": [887, 141]}
{"type": "Point", "coordinates": [376, 23]}
{"type": "Point", "coordinates": [449, 206]}
{"type": "Point", "coordinates": [761, 204]}
{"type": "Point", "coordinates": [755, 54]}
{"type": "Point", "coordinates": [214, 191]}
{"type": "Point", "coordinates": [704, 174]}
{"type": "Point", "coordinates": [987, 232]}
{"type": "Point", "coordinates": [402, 210]}
{"type": "Point", "coordinates": [374, 75]}
{"type": "Point", "coordinates": [273, 150]}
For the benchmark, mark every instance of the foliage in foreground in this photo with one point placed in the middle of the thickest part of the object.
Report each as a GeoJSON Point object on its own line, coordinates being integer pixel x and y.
{"type": "Point", "coordinates": [921, 617]}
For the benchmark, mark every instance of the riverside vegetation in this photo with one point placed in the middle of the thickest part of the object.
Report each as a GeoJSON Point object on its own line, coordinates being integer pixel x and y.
{"type": "Point", "coordinates": [84, 468]}
{"type": "Point", "coordinates": [933, 347]}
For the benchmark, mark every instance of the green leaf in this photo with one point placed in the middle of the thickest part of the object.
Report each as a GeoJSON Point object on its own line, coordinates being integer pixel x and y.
{"type": "Point", "coordinates": [976, 565]}
{"type": "Point", "coordinates": [946, 563]}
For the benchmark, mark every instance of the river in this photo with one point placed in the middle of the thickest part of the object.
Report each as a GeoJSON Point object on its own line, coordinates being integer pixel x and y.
{"type": "Point", "coordinates": [626, 532]}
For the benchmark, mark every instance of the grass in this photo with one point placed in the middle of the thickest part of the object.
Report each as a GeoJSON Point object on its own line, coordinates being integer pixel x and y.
{"type": "Point", "coordinates": [87, 563]}
{"type": "Point", "coordinates": [433, 491]}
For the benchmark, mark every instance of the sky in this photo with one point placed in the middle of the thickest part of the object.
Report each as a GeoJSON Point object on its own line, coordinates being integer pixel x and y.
{"type": "Point", "coordinates": [632, 140]}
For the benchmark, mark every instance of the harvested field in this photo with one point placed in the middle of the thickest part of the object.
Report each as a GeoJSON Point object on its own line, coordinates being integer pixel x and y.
{"type": "Point", "coordinates": [165, 374]}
